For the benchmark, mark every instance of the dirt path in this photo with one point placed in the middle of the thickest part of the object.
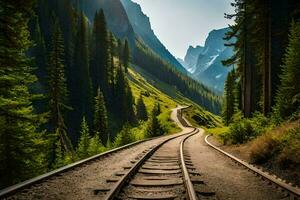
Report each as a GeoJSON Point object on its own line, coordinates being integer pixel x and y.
{"type": "Point", "coordinates": [226, 178]}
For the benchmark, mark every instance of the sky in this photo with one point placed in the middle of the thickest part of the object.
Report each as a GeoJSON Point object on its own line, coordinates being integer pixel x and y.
{"type": "Point", "coordinates": [181, 23]}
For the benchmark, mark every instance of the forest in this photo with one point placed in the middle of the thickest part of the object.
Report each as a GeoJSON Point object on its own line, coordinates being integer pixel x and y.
{"type": "Point", "coordinates": [262, 94]}
{"type": "Point", "coordinates": [65, 94]}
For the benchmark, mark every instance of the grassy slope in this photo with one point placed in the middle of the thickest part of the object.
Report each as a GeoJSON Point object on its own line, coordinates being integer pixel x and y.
{"type": "Point", "coordinates": [143, 82]}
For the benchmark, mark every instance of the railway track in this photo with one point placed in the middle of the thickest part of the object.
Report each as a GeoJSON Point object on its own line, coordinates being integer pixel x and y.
{"type": "Point", "coordinates": [291, 190]}
{"type": "Point", "coordinates": [162, 171]}
{"type": "Point", "coordinates": [165, 172]}
{"type": "Point", "coordinates": [174, 173]}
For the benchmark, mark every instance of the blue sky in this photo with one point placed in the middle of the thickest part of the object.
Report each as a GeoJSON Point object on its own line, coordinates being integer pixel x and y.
{"type": "Point", "coordinates": [180, 23]}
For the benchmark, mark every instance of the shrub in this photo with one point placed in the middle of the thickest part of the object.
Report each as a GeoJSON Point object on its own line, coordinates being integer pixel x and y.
{"type": "Point", "coordinates": [289, 155]}
{"type": "Point", "coordinates": [263, 148]}
{"type": "Point", "coordinates": [124, 137]}
{"type": "Point", "coordinates": [240, 132]}
{"type": "Point", "coordinates": [244, 129]}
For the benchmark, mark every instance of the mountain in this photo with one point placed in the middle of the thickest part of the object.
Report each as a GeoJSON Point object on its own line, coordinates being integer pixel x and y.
{"type": "Point", "coordinates": [126, 20]}
{"type": "Point", "coordinates": [142, 27]}
{"type": "Point", "coordinates": [191, 57]}
{"type": "Point", "coordinates": [204, 63]}
{"type": "Point", "coordinates": [115, 14]}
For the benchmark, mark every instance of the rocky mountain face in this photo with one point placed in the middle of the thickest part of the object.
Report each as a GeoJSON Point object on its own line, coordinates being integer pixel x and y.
{"type": "Point", "coordinates": [204, 63]}
{"type": "Point", "coordinates": [116, 16]}
{"type": "Point", "coordinates": [142, 27]}
{"type": "Point", "coordinates": [126, 20]}
{"type": "Point", "coordinates": [191, 57]}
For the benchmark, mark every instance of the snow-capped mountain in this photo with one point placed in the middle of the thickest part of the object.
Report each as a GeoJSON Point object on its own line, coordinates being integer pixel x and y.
{"type": "Point", "coordinates": [204, 63]}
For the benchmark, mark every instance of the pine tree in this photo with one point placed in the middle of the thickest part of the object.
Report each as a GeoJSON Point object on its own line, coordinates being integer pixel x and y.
{"type": "Point", "coordinates": [288, 97]}
{"type": "Point", "coordinates": [21, 146]}
{"type": "Point", "coordinates": [141, 110]}
{"type": "Point", "coordinates": [80, 85]}
{"type": "Point", "coordinates": [95, 146]}
{"type": "Point", "coordinates": [38, 50]}
{"type": "Point", "coordinates": [126, 56]}
{"type": "Point", "coordinates": [120, 51]}
{"type": "Point", "coordinates": [123, 98]}
{"type": "Point", "coordinates": [57, 88]}
{"type": "Point", "coordinates": [154, 127]}
{"type": "Point", "coordinates": [84, 141]}
{"type": "Point", "coordinates": [158, 109]}
{"type": "Point", "coordinates": [124, 137]}
{"type": "Point", "coordinates": [100, 54]}
{"type": "Point", "coordinates": [230, 98]}
{"type": "Point", "coordinates": [100, 118]}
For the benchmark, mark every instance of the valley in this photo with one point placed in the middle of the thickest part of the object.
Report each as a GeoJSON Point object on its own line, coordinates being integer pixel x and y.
{"type": "Point", "coordinates": [127, 99]}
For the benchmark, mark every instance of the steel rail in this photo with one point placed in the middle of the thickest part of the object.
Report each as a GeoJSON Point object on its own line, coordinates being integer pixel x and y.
{"type": "Point", "coordinates": [293, 190]}
{"type": "Point", "coordinates": [114, 192]}
{"type": "Point", "coordinates": [26, 184]}
{"type": "Point", "coordinates": [191, 194]}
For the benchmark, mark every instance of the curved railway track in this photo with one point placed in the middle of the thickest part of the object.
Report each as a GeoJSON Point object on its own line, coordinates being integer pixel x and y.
{"type": "Point", "coordinates": [181, 158]}
{"type": "Point", "coordinates": [163, 171]}
{"type": "Point", "coordinates": [293, 191]}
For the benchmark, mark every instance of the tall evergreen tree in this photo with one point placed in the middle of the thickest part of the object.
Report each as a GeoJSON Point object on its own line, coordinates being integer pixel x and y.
{"type": "Point", "coordinates": [288, 97]}
{"type": "Point", "coordinates": [123, 98]}
{"type": "Point", "coordinates": [57, 88]}
{"type": "Point", "coordinates": [141, 110]}
{"type": "Point", "coordinates": [84, 141]}
{"type": "Point", "coordinates": [21, 151]}
{"type": "Point", "coordinates": [100, 118]}
{"type": "Point", "coordinates": [120, 51]}
{"type": "Point", "coordinates": [80, 86]}
{"type": "Point", "coordinates": [230, 98]}
{"type": "Point", "coordinates": [38, 50]}
{"type": "Point", "coordinates": [100, 54]}
{"type": "Point", "coordinates": [126, 56]}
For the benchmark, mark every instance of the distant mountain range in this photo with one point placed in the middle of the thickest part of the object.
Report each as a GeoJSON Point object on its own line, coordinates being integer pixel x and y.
{"type": "Point", "coordinates": [126, 20]}
{"type": "Point", "coordinates": [204, 63]}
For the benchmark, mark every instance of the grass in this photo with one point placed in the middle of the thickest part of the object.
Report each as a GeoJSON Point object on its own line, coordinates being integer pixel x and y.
{"type": "Point", "coordinates": [199, 117]}
{"type": "Point", "coordinates": [151, 96]}
{"type": "Point", "coordinates": [217, 131]}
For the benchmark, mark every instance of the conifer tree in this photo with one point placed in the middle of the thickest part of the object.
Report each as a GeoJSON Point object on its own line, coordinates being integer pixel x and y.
{"type": "Point", "coordinates": [100, 54]}
{"type": "Point", "coordinates": [100, 118]}
{"type": "Point", "coordinates": [95, 146]}
{"type": "Point", "coordinates": [288, 97]}
{"type": "Point", "coordinates": [111, 63]}
{"type": "Point", "coordinates": [57, 88]}
{"type": "Point", "coordinates": [230, 98]}
{"type": "Point", "coordinates": [124, 98]}
{"type": "Point", "coordinates": [79, 80]}
{"type": "Point", "coordinates": [120, 51]}
{"type": "Point", "coordinates": [141, 109]}
{"type": "Point", "coordinates": [21, 146]}
{"type": "Point", "coordinates": [154, 127]}
{"type": "Point", "coordinates": [84, 141]}
{"type": "Point", "coordinates": [124, 137]}
{"type": "Point", "coordinates": [38, 50]}
{"type": "Point", "coordinates": [158, 109]}
{"type": "Point", "coordinates": [126, 56]}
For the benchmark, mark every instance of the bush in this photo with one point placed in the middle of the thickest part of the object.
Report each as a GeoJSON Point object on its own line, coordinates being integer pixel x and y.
{"type": "Point", "coordinates": [244, 129]}
{"type": "Point", "coordinates": [264, 148]}
{"type": "Point", "coordinates": [281, 146]}
{"type": "Point", "coordinates": [124, 137]}
{"type": "Point", "coordinates": [289, 155]}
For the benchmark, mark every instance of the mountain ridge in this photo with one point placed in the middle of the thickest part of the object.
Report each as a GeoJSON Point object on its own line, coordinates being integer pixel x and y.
{"type": "Point", "coordinates": [204, 64]}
